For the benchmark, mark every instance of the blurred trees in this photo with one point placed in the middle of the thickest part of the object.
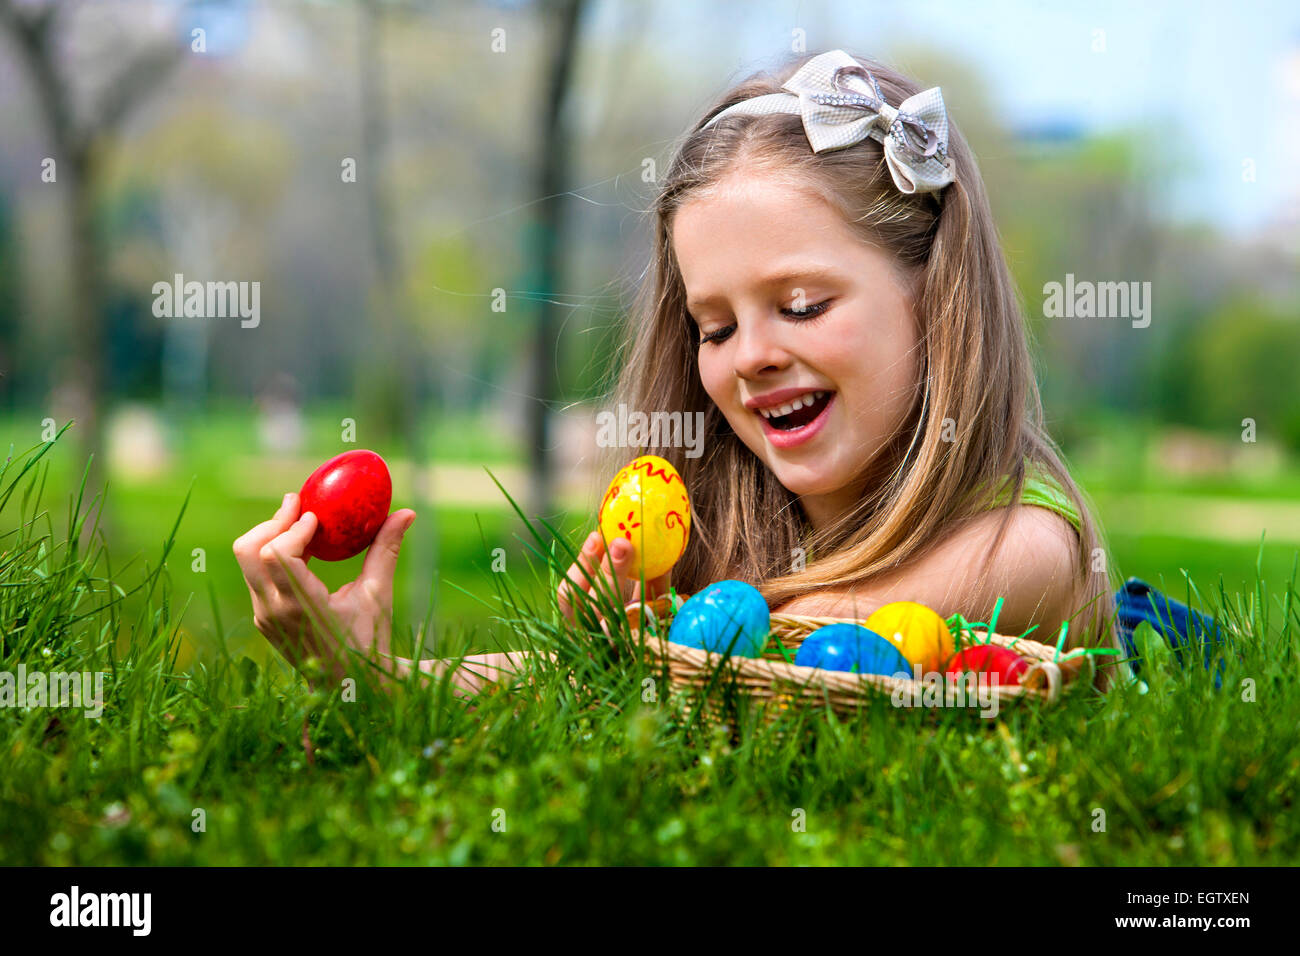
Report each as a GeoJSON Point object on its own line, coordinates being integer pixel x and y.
{"type": "Point", "coordinates": [203, 206]}
{"type": "Point", "coordinates": [9, 306]}
{"type": "Point", "coordinates": [389, 373]}
{"type": "Point", "coordinates": [1215, 352]}
{"type": "Point", "coordinates": [1081, 205]}
{"type": "Point", "coordinates": [378, 291]}
{"type": "Point", "coordinates": [1237, 362]}
{"type": "Point", "coordinates": [77, 135]}
{"type": "Point", "coordinates": [546, 246]}
{"type": "Point", "coordinates": [1225, 324]}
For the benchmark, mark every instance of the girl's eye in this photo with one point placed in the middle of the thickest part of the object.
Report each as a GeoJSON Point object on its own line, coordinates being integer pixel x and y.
{"type": "Point", "coordinates": [718, 336]}
{"type": "Point", "coordinates": [811, 312]}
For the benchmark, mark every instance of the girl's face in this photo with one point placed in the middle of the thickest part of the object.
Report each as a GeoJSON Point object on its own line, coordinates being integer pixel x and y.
{"type": "Point", "coordinates": [814, 396]}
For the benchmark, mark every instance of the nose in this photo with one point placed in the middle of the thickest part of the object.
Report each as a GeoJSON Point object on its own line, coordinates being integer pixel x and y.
{"type": "Point", "coordinates": [758, 348]}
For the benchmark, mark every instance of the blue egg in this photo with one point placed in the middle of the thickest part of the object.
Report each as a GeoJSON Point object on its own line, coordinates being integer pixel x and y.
{"type": "Point", "coordinates": [725, 617]}
{"type": "Point", "coordinates": [851, 647]}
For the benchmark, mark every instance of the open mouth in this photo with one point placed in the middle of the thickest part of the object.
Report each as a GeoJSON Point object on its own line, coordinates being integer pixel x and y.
{"type": "Point", "coordinates": [798, 412]}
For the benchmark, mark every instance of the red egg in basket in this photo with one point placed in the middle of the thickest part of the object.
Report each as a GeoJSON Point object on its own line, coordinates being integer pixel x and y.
{"type": "Point", "coordinates": [991, 660]}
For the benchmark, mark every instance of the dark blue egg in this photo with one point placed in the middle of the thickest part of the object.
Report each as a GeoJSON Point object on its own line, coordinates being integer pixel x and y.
{"type": "Point", "coordinates": [725, 617]}
{"type": "Point", "coordinates": [851, 647]}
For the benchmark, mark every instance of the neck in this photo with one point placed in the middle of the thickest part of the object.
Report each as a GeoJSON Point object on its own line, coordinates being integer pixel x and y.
{"type": "Point", "coordinates": [823, 511]}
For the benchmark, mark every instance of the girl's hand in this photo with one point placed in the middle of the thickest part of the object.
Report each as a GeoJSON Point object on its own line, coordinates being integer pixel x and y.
{"type": "Point", "coordinates": [294, 609]}
{"type": "Point", "coordinates": [596, 563]}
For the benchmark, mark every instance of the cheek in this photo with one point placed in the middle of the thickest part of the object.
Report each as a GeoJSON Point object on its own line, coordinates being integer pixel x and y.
{"type": "Point", "coordinates": [714, 376]}
{"type": "Point", "coordinates": [717, 375]}
{"type": "Point", "coordinates": [895, 386]}
{"type": "Point", "coordinates": [879, 369]}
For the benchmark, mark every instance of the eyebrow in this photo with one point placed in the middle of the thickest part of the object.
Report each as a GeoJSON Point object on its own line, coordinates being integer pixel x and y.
{"type": "Point", "coordinates": [776, 278]}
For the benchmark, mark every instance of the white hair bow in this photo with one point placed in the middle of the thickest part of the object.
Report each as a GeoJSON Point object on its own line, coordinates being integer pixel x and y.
{"type": "Point", "coordinates": [841, 104]}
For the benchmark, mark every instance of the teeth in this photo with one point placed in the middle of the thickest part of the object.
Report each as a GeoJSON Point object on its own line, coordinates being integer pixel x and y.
{"type": "Point", "coordinates": [802, 401]}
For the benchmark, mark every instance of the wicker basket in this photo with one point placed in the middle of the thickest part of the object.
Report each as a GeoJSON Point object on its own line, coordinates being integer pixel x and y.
{"type": "Point", "coordinates": [773, 678]}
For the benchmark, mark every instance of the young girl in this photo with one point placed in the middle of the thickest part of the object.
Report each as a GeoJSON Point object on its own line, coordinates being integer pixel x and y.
{"type": "Point", "coordinates": [830, 293]}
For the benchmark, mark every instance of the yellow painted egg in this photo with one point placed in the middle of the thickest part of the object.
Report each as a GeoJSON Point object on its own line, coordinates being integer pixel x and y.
{"type": "Point", "coordinates": [918, 632]}
{"type": "Point", "coordinates": [647, 504]}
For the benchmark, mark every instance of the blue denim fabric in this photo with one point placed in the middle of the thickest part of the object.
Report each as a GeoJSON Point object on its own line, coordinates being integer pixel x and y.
{"type": "Point", "coordinates": [1181, 626]}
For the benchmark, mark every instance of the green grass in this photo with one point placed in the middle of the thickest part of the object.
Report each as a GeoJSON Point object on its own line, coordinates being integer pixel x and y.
{"type": "Point", "coordinates": [448, 551]}
{"type": "Point", "coordinates": [585, 771]}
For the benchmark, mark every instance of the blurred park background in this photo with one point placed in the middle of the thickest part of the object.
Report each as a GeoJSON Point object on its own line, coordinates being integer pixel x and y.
{"type": "Point", "coordinates": [444, 205]}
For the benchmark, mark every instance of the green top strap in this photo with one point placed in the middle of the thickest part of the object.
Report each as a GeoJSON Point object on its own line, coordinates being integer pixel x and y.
{"type": "Point", "coordinates": [1043, 490]}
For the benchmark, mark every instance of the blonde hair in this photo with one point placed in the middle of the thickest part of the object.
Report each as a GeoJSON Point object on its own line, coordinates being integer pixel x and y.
{"type": "Point", "coordinates": [974, 363]}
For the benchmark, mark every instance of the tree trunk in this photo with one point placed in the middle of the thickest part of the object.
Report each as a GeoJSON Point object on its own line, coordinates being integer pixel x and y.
{"type": "Point", "coordinates": [87, 348]}
{"type": "Point", "coordinates": [74, 146]}
{"type": "Point", "coordinates": [546, 248]}
{"type": "Point", "coordinates": [394, 363]}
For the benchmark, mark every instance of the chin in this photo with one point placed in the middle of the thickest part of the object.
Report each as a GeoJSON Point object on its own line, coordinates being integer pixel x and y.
{"type": "Point", "coordinates": [803, 481]}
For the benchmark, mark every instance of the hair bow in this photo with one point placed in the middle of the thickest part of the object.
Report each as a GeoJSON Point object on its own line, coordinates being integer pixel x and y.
{"type": "Point", "coordinates": [841, 104]}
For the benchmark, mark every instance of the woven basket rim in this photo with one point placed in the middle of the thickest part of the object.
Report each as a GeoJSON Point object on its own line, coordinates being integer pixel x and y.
{"type": "Point", "coordinates": [1050, 673]}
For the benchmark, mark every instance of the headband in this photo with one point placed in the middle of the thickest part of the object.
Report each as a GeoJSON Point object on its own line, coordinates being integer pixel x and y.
{"type": "Point", "coordinates": [841, 104]}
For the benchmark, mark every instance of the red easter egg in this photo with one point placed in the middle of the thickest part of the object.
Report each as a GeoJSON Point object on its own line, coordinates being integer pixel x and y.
{"type": "Point", "coordinates": [349, 495]}
{"type": "Point", "coordinates": [990, 659]}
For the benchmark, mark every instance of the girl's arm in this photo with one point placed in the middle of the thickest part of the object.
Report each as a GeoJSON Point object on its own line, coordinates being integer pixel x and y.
{"type": "Point", "coordinates": [471, 674]}
{"type": "Point", "coordinates": [1033, 569]}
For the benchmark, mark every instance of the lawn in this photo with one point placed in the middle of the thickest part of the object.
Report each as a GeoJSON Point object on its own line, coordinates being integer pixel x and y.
{"type": "Point", "coordinates": [198, 757]}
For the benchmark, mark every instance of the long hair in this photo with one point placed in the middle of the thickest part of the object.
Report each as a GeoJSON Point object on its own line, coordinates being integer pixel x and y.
{"type": "Point", "coordinates": [977, 415]}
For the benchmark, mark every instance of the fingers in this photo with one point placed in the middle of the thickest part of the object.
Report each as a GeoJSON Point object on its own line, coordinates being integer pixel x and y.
{"type": "Point", "coordinates": [618, 563]}
{"type": "Point", "coordinates": [285, 593]}
{"type": "Point", "coordinates": [283, 554]}
{"type": "Point", "coordinates": [247, 547]}
{"type": "Point", "coordinates": [656, 587]}
{"type": "Point", "coordinates": [622, 553]}
{"type": "Point", "coordinates": [581, 574]}
{"type": "Point", "coordinates": [381, 559]}
{"type": "Point", "coordinates": [251, 541]}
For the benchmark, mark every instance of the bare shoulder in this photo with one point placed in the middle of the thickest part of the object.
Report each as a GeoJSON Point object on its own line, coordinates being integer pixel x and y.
{"type": "Point", "coordinates": [1033, 566]}
{"type": "Point", "coordinates": [1044, 534]}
